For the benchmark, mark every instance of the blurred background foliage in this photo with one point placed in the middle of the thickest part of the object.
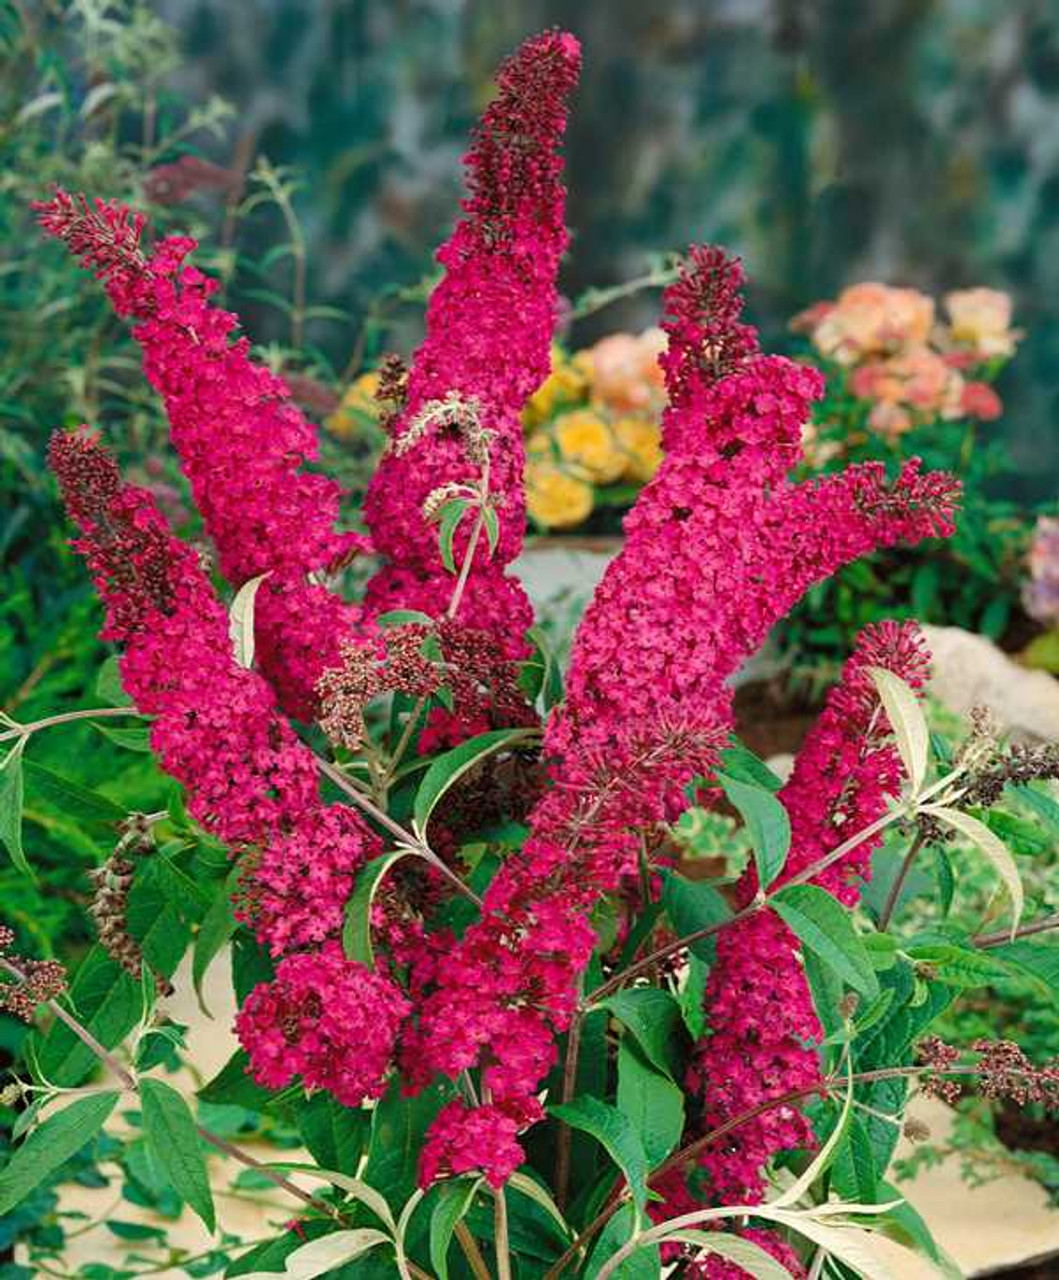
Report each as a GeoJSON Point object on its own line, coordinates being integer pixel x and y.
{"type": "Point", "coordinates": [903, 140]}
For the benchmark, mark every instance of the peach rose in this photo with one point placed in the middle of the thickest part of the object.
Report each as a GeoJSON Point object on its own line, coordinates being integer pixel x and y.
{"type": "Point", "coordinates": [623, 370]}
{"type": "Point", "coordinates": [871, 319]}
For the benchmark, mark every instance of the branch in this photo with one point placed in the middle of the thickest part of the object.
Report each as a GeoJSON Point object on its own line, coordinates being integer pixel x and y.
{"type": "Point", "coordinates": [763, 900]}
{"type": "Point", "coordinates": [65, 717]}
{"type": "Point", "coordinates": [986, 940]}
{"type": "Point", "coordinates": [406, 837]}
{"type": "Point", "coordinates": [688, 1153]}
{"type": "Point", "coordinates": [899, 880]}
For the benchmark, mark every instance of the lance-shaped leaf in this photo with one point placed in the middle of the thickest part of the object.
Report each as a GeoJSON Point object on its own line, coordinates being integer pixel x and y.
{"type": "Point", "coordinates": [449, 768]}
{"type": "Point", "coordinates": [823, 924]}
{"type": "Point", "coordinates": [356, 932]}
{"type": "Point", "coordinates": [994, 849]}
{"type": "Point", "coordinates": [907, 721]}
{"type": "Point", "coordinates": [241, 620]}
{"type": "Point", "coordinates": [173, 1140]}
{"type": "Point", "coordinates": [767, 825]}
{"type": "Point", "coordinates": [51, 1144]}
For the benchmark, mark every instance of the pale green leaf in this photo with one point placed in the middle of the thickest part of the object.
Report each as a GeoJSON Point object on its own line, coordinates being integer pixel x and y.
{"type": "Point", "coordinates": [994, 849]}
{"type": "Point", "coordinates": [909, 725]}
{"type": "Point", "coordinates": [241, 620]}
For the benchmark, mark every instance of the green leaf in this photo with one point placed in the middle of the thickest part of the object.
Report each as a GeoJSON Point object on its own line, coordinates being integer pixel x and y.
{"type": "Point", "coordinates": [321, 1257]}
{"type": "Point", "coordinates": [907, 721]}
{"type": "Point", "coordinates": [739, 762]}
{"type": "Point", "coordinates": [821, 923]}
{"type": "Point", "coordinates": [214, 933]}
{"type": "Point", "coordinates": [334, 1134]}
{"type": "Point", "coordinates": [492, 527]}
{"type": "Point", "coordinates": [693, 905]}
{"type": "Point", "coordinates": [644, 1264]}
{"type": "Point", "coordinates": [398, 1128]}
{"type": "Point", "coordinates": [155, 923]}
{"type": "Point", "coordinates": [993, 848]}
{"type": "Point", "coordinates": [653, 1103]}
{"type": "Point", "coordinates": [399, 617]}
{"type": "Point", "coordinates": [12, 799]}
{"type": "Point", "coordinates": [450, 767]}
{"type": "Point", "coordinates": [1038, 959]}
{"type": "Point", "coordinates": [827, 991]}
{"type": "Point", "coordinates": [137, 739]}
{"type": "Point", "coordinates": [234, 1086]}
{"type": "Point", "coordinates": [51, 1144]}
{"type": "Point", "coordinates": [241, 620]}
{"type": "Point", "coordinates": [173, 1141]}
{"type": "Point", "coordinates": [108, 683]}
{"type": "Point", "coordinates": [108, 1002]}
{"type": "Point", "coordinates": [449, 518]}
{"type": "Point", "coordinates": [454, 1199]}
{"type": "Point", "coordinates": [356, 931]}
{"type": "Point", "coordinates": [615, 1133]}
{"type": "Point", "coordinates": [653, 1019]}
{"type": "Point", "coordinates": [73, 801]}
{"type": "Point", "coordinates": [1042, 804]}
{"type": "Point", "coordinates": [767, 825]}
{"type": "Point", "coordinates": [960, 967]}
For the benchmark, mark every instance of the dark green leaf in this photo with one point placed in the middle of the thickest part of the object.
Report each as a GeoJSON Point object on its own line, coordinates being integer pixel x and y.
{"type": "Point", "coordinates": [137, 739]}
{"type": "Point", "coordinates": [108, 683]}
{"type": "Point", "coordinates": [214, 933]}
{"type": "Point", "coordinates": [616, 1134]}
{"type": "Point", "coordinates": [767, 825]}
{"type": "Point", "coordinates": [448, 522]}
{"type": "Point", "coordinates": [108, 1001]}
{"type": "Point", "coordinates": [454, 1199]}
{"type": "Point", "coordinates": [51, 1144]}
{"type": "Point", "coordinates": [740, 763]}
{"type": "Point", "coordinates": [356, 931]}
{"type": "Point", "coordinates": [334, 1134]}
{"type": "Point", "coordinates": [644, 1264]}
{"type": "Point", "coordinates": [653, 1019]}
{"type": "Point", "coordinates": [960, 967]}
{"type": "Point", "coordinates": [692, 906]}
{"type": "Point", "coordinates": [12, 799]}
{"type": "Point", "coordinates": [155, 923]}
{"type": "Point", "coordinates": [234, 1086]}
{"type": "Point", "coordinates": [74, 802]}
{"type": "Point", "coordinates": [823, 924]}
{"type": "Point", "coordinates": [653, 1103]}
{"type": "Point", "coordinates": [398, 1127]}
{"type": "Point", "coordinates": [173, 1141]}
{"type": "Point", "coordinates": [450, 767]}
{"type": "Point", "coordinates": [1038, 959]}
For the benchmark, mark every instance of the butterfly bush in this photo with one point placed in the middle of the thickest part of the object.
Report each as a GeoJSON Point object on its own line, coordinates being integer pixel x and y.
{"type": "Point", "coordinates": [489, 327]}
{"type": "Point", "coordinates": [719, 546]}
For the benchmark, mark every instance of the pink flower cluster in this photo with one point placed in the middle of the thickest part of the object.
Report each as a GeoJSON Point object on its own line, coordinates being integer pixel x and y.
{"type": "Point", "coordinates": [489, 328]}
{"type": "Point", "coordinates": [759, 1009]}
{"type": "Point", "coordinates": [718, 547]}
{"type": "Point", "coordinates": [242, 441]}
{"type": "Point", "coordinates": [327, 1019]}
{"type": "Point", "coordinates": [249, 780]}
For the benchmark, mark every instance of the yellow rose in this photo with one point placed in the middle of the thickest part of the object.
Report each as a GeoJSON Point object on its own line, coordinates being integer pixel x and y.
{"type": "Point", "coordinates": [981, 320]}
{"type": "Point", "coordinates": [553, 498]}
{"type": "Point", "coordinates": [565, 385]}
{"type": "Point", "coordinates": [357, 404]}
{"type": "Point", "coordinates": [588, 446]}
{"type": "Point", "coordinates": [641, 439]}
